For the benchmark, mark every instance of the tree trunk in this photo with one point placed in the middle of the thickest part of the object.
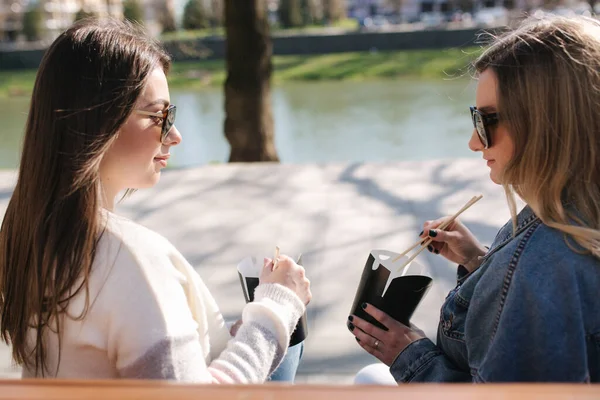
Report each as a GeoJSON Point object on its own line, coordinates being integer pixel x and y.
{"type": "Point", "coordinates": [249, 120]}
{"type": "Point", "coordinates": [217, 13]}
{"type": "Point", "coordinates": [334, 10]}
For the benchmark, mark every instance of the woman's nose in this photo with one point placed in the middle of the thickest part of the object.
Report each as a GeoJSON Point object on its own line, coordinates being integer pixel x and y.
{"type": "Point", "coordinates": [173, 137]}
{"type": "Point", "coordinates": [475, 143]}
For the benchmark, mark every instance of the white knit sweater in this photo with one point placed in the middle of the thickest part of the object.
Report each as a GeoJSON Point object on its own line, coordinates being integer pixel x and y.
{"type": "Point", "coordinates": [150, 316]}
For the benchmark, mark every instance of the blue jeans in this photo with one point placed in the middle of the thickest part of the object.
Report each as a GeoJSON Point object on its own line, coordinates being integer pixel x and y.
{"type": "Point", "coordinates": [286, 372]}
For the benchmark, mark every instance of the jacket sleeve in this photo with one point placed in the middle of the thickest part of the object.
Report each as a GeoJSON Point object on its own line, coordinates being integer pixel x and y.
{"type": "Point", "coordinates": [423, 361]}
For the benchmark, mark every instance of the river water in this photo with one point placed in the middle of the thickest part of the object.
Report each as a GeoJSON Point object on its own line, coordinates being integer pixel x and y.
{"type": "Point", "coordinates": [402, 119]}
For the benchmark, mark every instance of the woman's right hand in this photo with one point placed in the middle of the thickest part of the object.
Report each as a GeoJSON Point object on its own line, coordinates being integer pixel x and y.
{"type": "Point", "coordinates": [288, 274]}
{"type": "Point", "coordinates": [456, 243]}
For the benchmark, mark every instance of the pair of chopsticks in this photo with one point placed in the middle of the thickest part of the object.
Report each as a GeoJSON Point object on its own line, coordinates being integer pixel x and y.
{"type": "Point", "coordinates": [276, 258]}
{"type": "Point", "coordinates": [428, 241]}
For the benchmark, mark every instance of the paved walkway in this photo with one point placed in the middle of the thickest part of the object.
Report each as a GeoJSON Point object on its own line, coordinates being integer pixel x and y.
{"type": "Point", "coordinates": [334, 214]}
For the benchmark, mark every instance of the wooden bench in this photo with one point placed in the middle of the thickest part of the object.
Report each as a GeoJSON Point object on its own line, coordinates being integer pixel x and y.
{"type": "Point", "coordinates": [151, 390]}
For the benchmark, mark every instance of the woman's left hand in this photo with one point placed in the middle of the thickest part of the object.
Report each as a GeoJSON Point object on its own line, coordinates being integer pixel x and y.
{"type": "Point", "coordinates": [385, 345]}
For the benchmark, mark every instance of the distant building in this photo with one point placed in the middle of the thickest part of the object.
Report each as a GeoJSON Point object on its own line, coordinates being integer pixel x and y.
{"type": "Point", "coordinates": [58, 15]}
{"type": "Point", "coordinates": [410, 10]}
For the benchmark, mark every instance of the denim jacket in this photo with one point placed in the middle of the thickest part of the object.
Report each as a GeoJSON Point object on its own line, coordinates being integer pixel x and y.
{"type": "Point", "coordinates": [530, 312]}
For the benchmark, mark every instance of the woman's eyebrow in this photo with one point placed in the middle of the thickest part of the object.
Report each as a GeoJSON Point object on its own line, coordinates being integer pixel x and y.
{"type": "Point", "coordinates": [487, 109]}
{"type": "Point", "coordinates": [158, 101]}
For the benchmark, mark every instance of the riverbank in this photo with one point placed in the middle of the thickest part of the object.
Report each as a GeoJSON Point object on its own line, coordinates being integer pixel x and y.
{"type": "Point", "coordinates": [375, 65]}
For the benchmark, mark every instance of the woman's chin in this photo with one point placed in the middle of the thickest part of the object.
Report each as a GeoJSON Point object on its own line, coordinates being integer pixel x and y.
{"type": "Point", "coordinates": [148, 182]}
{"type": "Point", "coordinates": [495, 178]}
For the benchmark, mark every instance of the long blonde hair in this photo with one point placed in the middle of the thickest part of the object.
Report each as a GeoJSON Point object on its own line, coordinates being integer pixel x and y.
{"type": "Point", "coordinates": [548, 73]}
{"type": "Point", "coordinates": [86, 87]}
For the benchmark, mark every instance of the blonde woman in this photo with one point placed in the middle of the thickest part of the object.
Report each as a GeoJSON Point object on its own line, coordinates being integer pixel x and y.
{"type": "Point", "coordinates": [87, 294]}
{"type": "Point", "coordinates": [527, 308]}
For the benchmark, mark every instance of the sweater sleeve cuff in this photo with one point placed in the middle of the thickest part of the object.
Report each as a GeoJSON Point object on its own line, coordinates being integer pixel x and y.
{"type": "Point", "coordinates": [276, 308]}
{"type": "Point", "coordinates": [412, 359]}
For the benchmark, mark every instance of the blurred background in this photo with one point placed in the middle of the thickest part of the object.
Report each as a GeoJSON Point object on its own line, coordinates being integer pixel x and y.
{"type": "Point", "coordinates": [351, 80]}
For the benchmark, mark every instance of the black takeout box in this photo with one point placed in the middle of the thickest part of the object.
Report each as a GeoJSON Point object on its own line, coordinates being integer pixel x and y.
{"type": "Point", "coordinates": [384, 287]}
{"type": "Point", "coordinates": [248, 271]}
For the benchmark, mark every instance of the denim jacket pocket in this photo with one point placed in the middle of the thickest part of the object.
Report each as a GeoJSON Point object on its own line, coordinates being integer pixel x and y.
{"type": "Point", "coordinates": [453, 316]}
{"type": "Point", "coordinates": [451, 331]}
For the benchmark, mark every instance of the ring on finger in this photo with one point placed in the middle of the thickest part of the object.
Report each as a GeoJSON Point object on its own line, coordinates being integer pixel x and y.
{"type": "Point", "coordinates": [376, 344]}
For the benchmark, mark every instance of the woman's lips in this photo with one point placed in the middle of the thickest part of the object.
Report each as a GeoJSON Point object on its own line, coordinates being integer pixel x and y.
{"type": "Point", "coordinates": [161, 160]}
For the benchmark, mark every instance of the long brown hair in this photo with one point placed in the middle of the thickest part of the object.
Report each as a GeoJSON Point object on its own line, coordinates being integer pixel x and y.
{"type": "Point", "coordinates": [85, 89]}
{"type": "Point", "coordinates": [548, 73]}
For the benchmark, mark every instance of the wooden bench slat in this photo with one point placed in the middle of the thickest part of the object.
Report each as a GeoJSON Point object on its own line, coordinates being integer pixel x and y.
{"type": "Point", "coordinates": [150, 390]}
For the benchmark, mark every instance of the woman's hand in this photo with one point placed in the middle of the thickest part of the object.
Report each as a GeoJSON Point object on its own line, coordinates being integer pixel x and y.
{"type": "Point", "coordinates": [456, 243]}
{"type": "Point", "coordinates": [385, 345]}
{"type": "Point", "coordinates": [288, 274]}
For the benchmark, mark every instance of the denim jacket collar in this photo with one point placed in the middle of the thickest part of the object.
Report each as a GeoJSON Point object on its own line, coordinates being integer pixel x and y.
{"type": "Point", "coordinates": [525, 218]}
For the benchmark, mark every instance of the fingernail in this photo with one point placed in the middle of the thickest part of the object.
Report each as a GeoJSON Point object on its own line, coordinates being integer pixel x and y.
{"type": "Point", "coordinates": [436, 251]}
{"type": "Point", "coordinates": [421, 233]}
{"type": "Point", "coordinates": [430, 248]}
{"type": "Point", "coordinates": [357, 339]}
{"type": "Point", "coordinates": [432, 233]}
{"type": "Point", "coordinates": [265, 261]}
{"type": "Point", "coordinates": [350, 318]}
{"type": "Point", "coordinates": [364, 305]}
{"type": "Point", "coordinates": [350, 326]}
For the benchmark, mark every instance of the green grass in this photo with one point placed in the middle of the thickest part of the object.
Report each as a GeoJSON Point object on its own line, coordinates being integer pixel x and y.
{"type": "Point", "coordinates": [16, 83]}
{"type": "Point", "coordinates": [342, 66]}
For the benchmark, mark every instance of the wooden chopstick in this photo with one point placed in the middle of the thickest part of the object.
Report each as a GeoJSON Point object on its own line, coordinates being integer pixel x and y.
{"type": "Point", "coordinates": [276, 258]}
{"type": "Point", "coordinates": [443, 226]}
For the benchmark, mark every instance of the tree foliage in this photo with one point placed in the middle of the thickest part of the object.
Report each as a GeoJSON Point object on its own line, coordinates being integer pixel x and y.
{"type": "Point", "coordinates": [290, 13]}
{"type": "Point", "coordinates": [82, 14]}
{"type": "Point", "coordinates": [32, 23]}
{"type": "Point", "coordinates": [167, 18]}
{"type": "Point", "coordinates": [195, 15]}
{"type": "Point", "coordinates": [132, 11]}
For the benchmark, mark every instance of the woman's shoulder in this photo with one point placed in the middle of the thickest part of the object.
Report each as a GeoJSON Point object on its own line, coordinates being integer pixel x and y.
{"type": "Point", "coordinates": [551, 259]}
{"type": "Point", "coordinates": [125, 244]}
{"type": "Point", "coordinates": [132, 234]}
{"type": "Point", "coordinates": [545, 242]}
{"type": "Point", "coordinates": [543, 257]}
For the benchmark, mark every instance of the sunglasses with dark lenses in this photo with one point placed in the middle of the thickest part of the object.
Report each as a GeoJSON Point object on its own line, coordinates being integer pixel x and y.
{"type": "Point", "coordinates": [168, 119]}
{"type": "Point", "coordinates": [481, 122]}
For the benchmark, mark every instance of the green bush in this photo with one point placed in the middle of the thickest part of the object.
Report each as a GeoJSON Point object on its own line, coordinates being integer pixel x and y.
{"type": "Point", "coordinates": [195, 15]}
{"type": "Point", "coordinates": [81, 14]}
{"type": "Point", "coordinates": [132, 11]}
{"type": "Point", "coordinates": [32, 24]}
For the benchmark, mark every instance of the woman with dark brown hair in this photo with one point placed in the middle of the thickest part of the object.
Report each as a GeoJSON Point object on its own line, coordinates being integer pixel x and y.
{"type": "Point", "coordinates": [85, 293]}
